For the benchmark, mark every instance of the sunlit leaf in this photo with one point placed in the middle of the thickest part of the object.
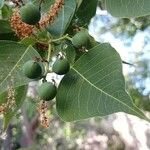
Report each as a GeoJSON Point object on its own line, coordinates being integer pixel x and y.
{"type": "Point", "coordinates": [95, 86]}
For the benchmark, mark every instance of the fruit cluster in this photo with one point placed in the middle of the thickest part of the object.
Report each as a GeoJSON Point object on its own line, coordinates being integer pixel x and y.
{"type": "Point", "coordinates": [35, 70]}
{"type": "Point", "coordinates": [29, 19]}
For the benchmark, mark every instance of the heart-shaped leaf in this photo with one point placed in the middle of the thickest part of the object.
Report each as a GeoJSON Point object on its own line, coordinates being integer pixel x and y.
{"type": "Point", "coordinates": [95, 86]}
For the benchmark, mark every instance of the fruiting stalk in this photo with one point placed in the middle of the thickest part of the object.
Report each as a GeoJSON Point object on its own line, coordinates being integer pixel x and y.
{"type": "Point", "coordinates": [49, 52]}
{"type": "Point", "coordinates": [61, 38]}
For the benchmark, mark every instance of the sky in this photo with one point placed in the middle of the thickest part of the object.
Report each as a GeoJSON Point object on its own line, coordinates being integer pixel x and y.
{"type": "Point", "coordinates": [127, 47]}
{"type": "Point", "coordinates": [125, 50]}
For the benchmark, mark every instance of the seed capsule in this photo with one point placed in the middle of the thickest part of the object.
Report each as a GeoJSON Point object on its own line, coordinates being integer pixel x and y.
{"type": "Point", "coordinates": [61, 66]}
{"type": "Point", "coordinates": [30, 14]}
{"type": "Point", "coordinates": [80, 39]}
{"type": "Point", "coordinates": [47, 91]}
{"type": "Point", "coordinates": [32, 69]}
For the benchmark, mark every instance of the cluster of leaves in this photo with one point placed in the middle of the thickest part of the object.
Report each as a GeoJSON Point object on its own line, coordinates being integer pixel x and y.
{"type": "Point", "coordinates": [95, 85]}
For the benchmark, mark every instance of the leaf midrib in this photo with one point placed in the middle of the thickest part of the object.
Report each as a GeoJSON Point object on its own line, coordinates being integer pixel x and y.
{"type": "Point", "coordinates": [104, 91]}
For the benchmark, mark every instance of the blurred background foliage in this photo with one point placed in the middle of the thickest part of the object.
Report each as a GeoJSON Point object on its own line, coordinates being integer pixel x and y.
{"type": "Point", "coordinates": [24, 131]}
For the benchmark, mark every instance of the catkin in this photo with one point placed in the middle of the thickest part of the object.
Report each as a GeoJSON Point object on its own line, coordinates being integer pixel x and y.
{"type": "Point", "coordinates": [42, 109]}
{"type": "Point", "coordinates": [21, 29]}
{"type": "Point", "coordinates": [10, 103]}
{"type": "Point", "coordinates": [50, 16]}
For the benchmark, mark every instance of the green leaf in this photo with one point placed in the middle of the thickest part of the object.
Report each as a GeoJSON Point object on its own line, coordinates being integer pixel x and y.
{"type": "Point", "coordinates": [6, 32]}
{"type": "Point", "coordinates": [6, 12]}
{"type": "Point", "coordinates": [128, 8]}
{"type": "Point", "coordinates": [64, 18]}
{"type": "Point", "coordinates": [95, 86]}
{"type": "Point", "coordinates": [87, 10]}
{"type": "Point", "coordinates": [5, 27]}
{"type": "Point", "coordinates": [8, 36]}
{"type": "Point", "coordinates": [79, 3]}
{"type": "Point", "coordinates": [28, 41]}
{"type": "Point", "coordinates": [12, 56]}
{"type": "Point", "coordinates": [46, 4]}
{"type": "Point", "coordinates": [20, 93]}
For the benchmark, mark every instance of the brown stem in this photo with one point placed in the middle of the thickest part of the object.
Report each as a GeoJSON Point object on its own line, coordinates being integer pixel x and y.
{"type": "Point", "coordinates": [29, 129]}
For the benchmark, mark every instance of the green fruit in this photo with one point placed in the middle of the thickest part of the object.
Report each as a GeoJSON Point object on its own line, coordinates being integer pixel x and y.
{"type": "Point", "coordinates": [61, 66]}
{"type": "Point", "coordinates": [32, 69]}
{"type": "Point", "coordinates": [47, 91]}
{"type": "Point", "coordinates": [30, 14]}
{"type": "Point", "coordinates": [80, 39]}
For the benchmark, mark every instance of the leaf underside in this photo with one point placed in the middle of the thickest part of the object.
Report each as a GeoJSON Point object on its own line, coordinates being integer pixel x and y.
{"type": "Point", "coordinates": [94, 86]}
{"type": "Point", "coordinates": [128, 8]}
{"type": "Point", "coordinates": [12, 57]}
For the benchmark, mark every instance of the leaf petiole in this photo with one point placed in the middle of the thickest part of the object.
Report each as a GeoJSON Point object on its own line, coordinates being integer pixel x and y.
{"type": "Point", "coordinates": [61, 38]}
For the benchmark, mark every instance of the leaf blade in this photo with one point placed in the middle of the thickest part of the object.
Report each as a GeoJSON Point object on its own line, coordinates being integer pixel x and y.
{"type": "Point", "coordinates": [63, 20]}
{"type": "Point", "coordinates": [128, 8]}
{"type": "Point", "coordinates": [94, 87]}
{"type": "Point", "coordinates": [12, 57]}
{"type": "Point", "coordinates": [87, 10]}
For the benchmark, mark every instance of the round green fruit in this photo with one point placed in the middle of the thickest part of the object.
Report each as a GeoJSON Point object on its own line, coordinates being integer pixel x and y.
{"type": "Point", "coordinates": [80, 39]}
{"type": "Point", "coordinates": [30, 14]}
{"type": "Point", "coordinates": [61, 66]}
{"type": "Point", "coordinates": [32, 69]}
{"type": "Point", "coordinates": [47, 91]}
